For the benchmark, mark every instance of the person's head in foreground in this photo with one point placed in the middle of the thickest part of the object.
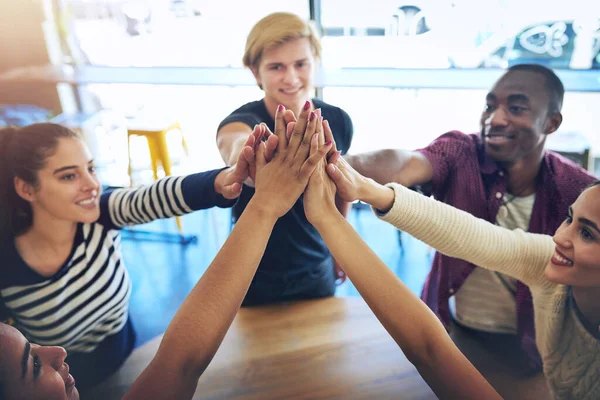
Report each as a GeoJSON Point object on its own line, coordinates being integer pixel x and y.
{"type": "Point", "coordinates": [522, 108]}
{"type": "Point", "coordinates": [282, 51]}
{"type": "Point", "coordinates": [31, 372]}
{"type": "Point", "coordinates": [577, 258]}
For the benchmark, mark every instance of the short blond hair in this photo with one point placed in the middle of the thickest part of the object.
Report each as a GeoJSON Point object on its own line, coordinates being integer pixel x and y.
{"type": "Point", "coordinates": [274, 30]}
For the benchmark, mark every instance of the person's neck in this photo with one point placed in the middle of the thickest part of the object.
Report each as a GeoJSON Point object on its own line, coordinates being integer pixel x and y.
{"type": "Point", "coordinates": [522, 174]}
{"type": "Point", "coordinates": [587, 302]}
{"type": "Point", "coordinates": [271, 106]}
{"type": "Point", "coordinates": [51, 233]}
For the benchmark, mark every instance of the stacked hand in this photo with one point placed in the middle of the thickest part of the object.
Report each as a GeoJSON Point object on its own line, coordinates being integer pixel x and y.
{"type": "Point", "coordinates": [281, 180]}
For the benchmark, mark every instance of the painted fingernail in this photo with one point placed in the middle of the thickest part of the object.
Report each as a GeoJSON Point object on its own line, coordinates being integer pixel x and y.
{"type": "Point", "coordinates": [328, 143]}
{"type": "Point", "coordinates": [312, 116]}
{"type": "Point", "coordinates": [306, 105]}
{"type": "Point", "coordinates": [280, 108]}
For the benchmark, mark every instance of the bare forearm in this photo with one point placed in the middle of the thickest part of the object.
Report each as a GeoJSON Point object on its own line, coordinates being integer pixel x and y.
{"type": "Point", "coordinates": [342, 206]}
{"type": "Point", "coordinates": [230, 145]}
{"type": "Point", "coordinates": [206, 314]}
{"type": "Point", "coordinates": [398, 309]}
{"type": "Point", "coordinates": [405, 167]}
{"type": "Point", "coordinates": [407, 319]}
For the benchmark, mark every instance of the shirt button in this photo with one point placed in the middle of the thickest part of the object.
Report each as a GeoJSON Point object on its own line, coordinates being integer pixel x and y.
{"type": "Point", "coordinates": [501, 173]}
{"type": "Point", "coordinates": [451, 291]}
{"type": "Point", "coordinates": [498, 195]}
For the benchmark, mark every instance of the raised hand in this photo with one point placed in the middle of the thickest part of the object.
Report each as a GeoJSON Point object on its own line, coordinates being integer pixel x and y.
{"type": "Point", "coordinates": [229, 182]}
{"type": "Point", "coordinates": [319, 196]}
{"type": "Point", "coordinates": [281, 181]}
{"type": "Point", "coordinates": [353, 186]}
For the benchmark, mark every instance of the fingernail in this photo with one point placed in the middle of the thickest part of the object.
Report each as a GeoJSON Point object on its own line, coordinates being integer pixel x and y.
{"type": "Point", "coordinates": [328, 143]}
{"type": "Point", "coordinates": [306, 105]}
{"type": "Point", "coordinates": [312, 116]}
{"type": "Point", "coordinates": [318, 112]}
{"type": "Point", "coordinates": [280, 108]}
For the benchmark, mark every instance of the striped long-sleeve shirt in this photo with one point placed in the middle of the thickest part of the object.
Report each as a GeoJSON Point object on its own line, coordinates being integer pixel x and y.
{"type": "Point", "coordinates": [87, 299]}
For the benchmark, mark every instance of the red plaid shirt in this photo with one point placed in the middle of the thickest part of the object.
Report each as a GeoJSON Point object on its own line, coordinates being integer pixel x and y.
{"type": "Point", "coordinates": [466, 178]}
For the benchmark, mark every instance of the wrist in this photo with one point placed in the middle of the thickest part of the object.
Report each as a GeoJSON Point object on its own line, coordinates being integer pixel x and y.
{"type": "Point", "coordinates": [220, 179]}
{"type": "Point", "coordinates": [379, 196]}
{"type": "Point", "coordinates": [327, 219]}
{"type": "Point", "coordinates": [262, 209]}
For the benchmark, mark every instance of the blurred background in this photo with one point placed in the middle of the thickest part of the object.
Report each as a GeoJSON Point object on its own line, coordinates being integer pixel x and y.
{"type": "Point", "coordinates": [405, 70]}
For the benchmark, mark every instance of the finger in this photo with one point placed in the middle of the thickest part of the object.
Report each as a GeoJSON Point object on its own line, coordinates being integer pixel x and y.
{"type": "Point", "coordinates": [252, 137]}
{"type": "Point", "coordinates": [335, 157]}
{"type": "Point", "coordinates": [304, 149]}
{"type": "Point", "coordinates": [290, 128]}
{"type": "Point", "coordinates": [271, 144]}
{"type": "Point", "coordinates": [329, 136]}
{"type": "Point", "coordinates": [319, 130]}
{"type": "Point", "coordinates": [256, 136]}
{"type": "Point", "coordinates": [333, 172]}
{"type": "Point", "coordinates": [261, 161]}
{"type": "Point", "coordinates": [313, 161]}
{"type": "Point", "coordinates": [289, 116]}
{"type": "Point", "coordinates": [248, 155]}
{"type": "Point", "coordinates": [280, 127]}
{"type": "Point", "coordinates": [314, 144]}
{"type": "Point", "coordinates": [300, 129]}
{"type": "Point", "coordinates": [267, 132]}
{"type": "Point", "coordinates": [241, 164]}
{"type": "Point", "coordinates": [232, 191]}
{"type": "Point", "coordinates": [256, 131]}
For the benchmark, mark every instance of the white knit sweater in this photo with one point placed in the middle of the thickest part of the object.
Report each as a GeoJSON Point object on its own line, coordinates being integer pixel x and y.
{"type": "Point", "coordinates": [571, 355]}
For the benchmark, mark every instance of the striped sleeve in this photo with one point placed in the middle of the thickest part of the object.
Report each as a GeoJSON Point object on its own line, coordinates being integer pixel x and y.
{"type": "Point", "coordinates": [165, 198]}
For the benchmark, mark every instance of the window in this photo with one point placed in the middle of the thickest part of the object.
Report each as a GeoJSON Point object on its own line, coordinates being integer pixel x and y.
{"type": "Point", "coordinates": [168, 32]}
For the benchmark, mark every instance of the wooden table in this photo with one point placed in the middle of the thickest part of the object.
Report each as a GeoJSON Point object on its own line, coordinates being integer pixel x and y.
{"type": "Point", "coordinates": [333, 348]}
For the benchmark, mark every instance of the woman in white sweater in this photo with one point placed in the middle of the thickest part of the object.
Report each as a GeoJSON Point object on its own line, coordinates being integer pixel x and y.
{"type": "Point", "coordinates": [563, 271]}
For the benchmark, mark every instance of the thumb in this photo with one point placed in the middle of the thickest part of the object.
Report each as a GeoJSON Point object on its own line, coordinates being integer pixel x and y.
{"type": "Point", "coordinates": [334, 173]}
{"type": "Point", "coordinates": [247, 156]}
{"type": "Point", "coordinates": [232, 191]}
{"type": "Point", "coordinates": [242, 162]}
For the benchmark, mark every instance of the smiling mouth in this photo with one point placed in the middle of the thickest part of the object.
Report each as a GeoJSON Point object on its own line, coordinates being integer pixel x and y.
{"type": "Point", "coordinates": [87, 202]}
{"type": "Point", "coordinates": [290, 91]}
{"type": "Point", "coordinates": [561, 260]}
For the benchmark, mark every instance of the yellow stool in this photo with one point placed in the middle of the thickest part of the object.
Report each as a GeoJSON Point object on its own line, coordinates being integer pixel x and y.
{"type": "Point", "coordinates": [155, 133]}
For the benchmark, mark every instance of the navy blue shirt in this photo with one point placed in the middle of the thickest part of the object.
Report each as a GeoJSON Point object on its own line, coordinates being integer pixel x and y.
{"type": "Point", "coordinates": [294, 243]}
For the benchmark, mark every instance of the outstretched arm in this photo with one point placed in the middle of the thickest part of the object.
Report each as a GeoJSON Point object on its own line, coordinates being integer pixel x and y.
{"type": "Point", "coordinates": [408, 168]}
{"type": "Point", "coordinates": [198, 328]}
{"type": "Point", "coordinates": [451, 231]}
{"type": "Point", "coordinates": [407, 319]}
{"type": "Point", "coordinates": [179, 195]}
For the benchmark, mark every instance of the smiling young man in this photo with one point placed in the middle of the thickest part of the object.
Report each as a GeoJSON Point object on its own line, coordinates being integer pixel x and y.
{"type": "Point", "coordinates": [503, 175]}
{"type": "Point", "coordinates": [282, 51]}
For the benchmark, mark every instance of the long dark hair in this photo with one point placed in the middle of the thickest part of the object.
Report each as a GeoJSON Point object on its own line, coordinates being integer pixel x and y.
{"type": "Point", "coordinates": [23, 152]}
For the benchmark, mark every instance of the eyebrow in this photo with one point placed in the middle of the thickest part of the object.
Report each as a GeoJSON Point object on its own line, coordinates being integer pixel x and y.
{"type": "Point", "coordinates": [490, 97]}
{"type": "Point", "coordinates": [589, 223]}
{"type": "Point", "coordinates": [585, 220]}
{"type": "Point", "coordinates": [56, 171]}
{"type": "Point", "coordinates": [24, 360]}
{"type": "Point", "coordinates": [518, 97]}
{"type": "Point", "coordinates": [280, 63]}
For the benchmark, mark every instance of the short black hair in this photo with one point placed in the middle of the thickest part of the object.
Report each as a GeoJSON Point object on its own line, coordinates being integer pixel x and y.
{"type": "Point", "coordinates": [554, 86]}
